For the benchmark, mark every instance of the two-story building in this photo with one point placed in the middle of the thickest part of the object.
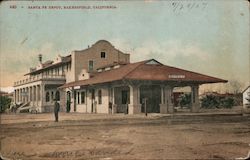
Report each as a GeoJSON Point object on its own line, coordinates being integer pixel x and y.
{"type": "Point", "coordinates": [38, 89]}
{"type": "Point", "coordinates": [101, 79]}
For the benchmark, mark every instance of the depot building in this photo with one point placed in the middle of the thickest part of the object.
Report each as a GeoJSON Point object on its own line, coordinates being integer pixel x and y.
{"type": "Point", "coordinates": [123, 87]}
{"type": "Point", "coordinates": [101, 79]}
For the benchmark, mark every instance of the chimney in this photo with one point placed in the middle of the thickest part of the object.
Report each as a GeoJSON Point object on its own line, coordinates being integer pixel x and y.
{"type": "Point", "coordinates": [40, 58]}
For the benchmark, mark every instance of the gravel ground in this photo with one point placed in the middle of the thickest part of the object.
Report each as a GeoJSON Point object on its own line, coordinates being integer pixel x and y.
{"type": "Point", "coordinates": [100, 136]}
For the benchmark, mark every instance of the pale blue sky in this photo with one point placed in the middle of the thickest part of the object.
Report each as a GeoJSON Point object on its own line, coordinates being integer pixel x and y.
{"type": "Point", "coordinates": [211, 37]}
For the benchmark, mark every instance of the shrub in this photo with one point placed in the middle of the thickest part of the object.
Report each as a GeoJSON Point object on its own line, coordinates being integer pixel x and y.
{"type": "Point", "coordinates": [4, 103]}
{"type": "Point", "coordinates": [227, 102]}
{"type": "Point", "coordinates": [210, 101]}
{"type": "Point", "coordinates": [185, 100]}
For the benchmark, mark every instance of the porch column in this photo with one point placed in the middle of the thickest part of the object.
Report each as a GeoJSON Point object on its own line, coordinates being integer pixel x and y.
{"type": "Point", "coordinates": [134, 105]}
{"type": "Point", "coordinates": [195, 99]}
{"type": "Point", "coordinates": [20, 96]}
{"type": "Point", "coordinates": [31, 95]}
{"type": "Point", "coordinates": [62, 99]}
{"type": "Point", "coordinates": [38, 92]}
{"type": "Point", "coordinates": [15, 96]}
{"type": "Point", "coordinates": [169, 98]}
{"type": "Point", "coordinates": [34, 93]}
{"type": "Point", "coordinates": [37, 99]}
{"type": "Point", "coordinates": [114, 106]}
{"type": "Point", "coordinates": [42, 97]}
{"type": "Point", "coordinates": [163, 105]}
{"type": "Point", "coordinates": [28, 94]}
{"type": "Point", "coordinates": [24, 95]}
{"type": "Point", "coordinates": [23, 98]}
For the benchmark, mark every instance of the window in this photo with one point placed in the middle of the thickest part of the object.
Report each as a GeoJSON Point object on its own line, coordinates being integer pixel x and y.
{"type": "Point", "coordinates": [47, 96]}
{"type": "Point", "coordinates": [103, 54]}
{"type": "Point", "coordinates": [78, 97]}
{"type": "Point", "coordinates": [82, 97]}
{"type": "Point", "coordinates": [91, 65]}
{"type": "Point", "coordinates": [100, 97]}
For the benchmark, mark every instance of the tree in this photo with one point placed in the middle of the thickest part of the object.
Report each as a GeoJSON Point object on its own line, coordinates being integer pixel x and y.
{"type": "Point", "coordinates": [235, 86]}
{"type": "Point", "coordinates": [4, 103]}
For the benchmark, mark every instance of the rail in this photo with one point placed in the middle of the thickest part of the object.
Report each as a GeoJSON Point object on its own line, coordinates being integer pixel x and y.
{"type": "Point", "coordinates": [38, 77]}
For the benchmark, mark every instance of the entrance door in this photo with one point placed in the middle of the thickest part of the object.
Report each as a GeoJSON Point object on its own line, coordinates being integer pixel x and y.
{"type": "Point", "coordinates": [153, 95]}
{"type": "Point", "coordinates": [125, 101]}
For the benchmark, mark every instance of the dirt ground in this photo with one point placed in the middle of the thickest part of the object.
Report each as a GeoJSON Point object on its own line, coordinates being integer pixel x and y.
{"type": "Point", "coordinates": [107, 137]}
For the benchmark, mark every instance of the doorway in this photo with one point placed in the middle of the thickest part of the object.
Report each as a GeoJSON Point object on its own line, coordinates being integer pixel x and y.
{"type": "Point", "coordinates": [152, 94]}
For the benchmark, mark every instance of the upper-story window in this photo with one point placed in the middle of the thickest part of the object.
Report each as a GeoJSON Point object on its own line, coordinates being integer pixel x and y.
{"type": "Point", "coordinates": [91, 65]}
{"type": "Point", "coordinates": [103, 54]}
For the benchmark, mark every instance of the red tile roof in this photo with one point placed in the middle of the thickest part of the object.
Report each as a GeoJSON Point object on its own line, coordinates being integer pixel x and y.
{"type": "Point", "coordinates": [112, 65]}
{"type": "Point", "coordinates": [144, 71]}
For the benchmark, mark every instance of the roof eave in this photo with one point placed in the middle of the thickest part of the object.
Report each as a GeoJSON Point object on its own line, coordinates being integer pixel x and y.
{"type": "Point", "coordinates": [53, 65]}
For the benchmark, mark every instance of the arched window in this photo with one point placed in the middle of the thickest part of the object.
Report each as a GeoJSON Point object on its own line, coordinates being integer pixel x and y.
{"type": "Point", "coordinates": [47, 96]}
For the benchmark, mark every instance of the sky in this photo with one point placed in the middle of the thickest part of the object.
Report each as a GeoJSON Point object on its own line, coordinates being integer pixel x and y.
{"type": "Point", "coordinates": [209, 37]}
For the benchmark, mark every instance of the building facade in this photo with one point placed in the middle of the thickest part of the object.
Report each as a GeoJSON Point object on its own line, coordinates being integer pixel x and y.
{"type": "Point", "coordinates": [101, 79]}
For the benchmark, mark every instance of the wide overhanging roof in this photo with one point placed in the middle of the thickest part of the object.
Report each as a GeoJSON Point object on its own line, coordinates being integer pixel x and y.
{"type": "Point", "coordinates": [146, 70]}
